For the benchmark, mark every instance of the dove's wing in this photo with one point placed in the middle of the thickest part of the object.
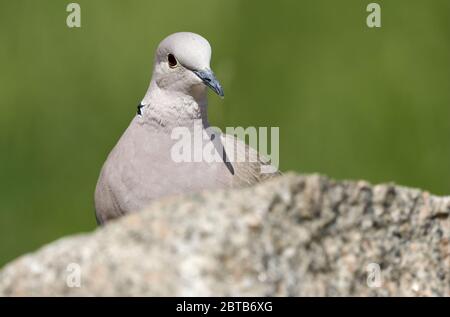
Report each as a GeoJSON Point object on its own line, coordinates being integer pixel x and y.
{"type": "Point", "coordinates": [249, 166]}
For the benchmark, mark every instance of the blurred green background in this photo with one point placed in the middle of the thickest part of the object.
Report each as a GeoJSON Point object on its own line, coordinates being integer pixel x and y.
{"type": "Point", "coordinates": [351, 102]}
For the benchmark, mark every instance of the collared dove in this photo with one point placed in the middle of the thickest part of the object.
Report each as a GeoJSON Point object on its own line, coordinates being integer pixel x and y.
{"type": "Point", "coordinates": [141, 168]}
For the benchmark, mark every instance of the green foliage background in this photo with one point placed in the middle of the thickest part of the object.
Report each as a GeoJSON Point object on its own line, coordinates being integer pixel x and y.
{"type": "Point", "coordinates": [351, 102]}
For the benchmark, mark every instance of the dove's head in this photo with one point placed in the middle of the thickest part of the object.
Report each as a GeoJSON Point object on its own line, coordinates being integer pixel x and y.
{"type": "Point", "coordinates": [182, 64]}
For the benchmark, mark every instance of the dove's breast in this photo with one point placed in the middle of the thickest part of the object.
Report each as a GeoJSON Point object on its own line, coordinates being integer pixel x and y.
{"type": "Point", "coordinates": [142, 167]}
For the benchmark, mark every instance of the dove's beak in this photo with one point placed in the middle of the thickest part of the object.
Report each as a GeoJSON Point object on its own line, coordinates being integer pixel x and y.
{"type": "Point", "coordinates": [208, 78]}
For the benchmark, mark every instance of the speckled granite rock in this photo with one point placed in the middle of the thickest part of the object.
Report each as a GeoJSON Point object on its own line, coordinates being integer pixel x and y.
{"type": "Point", "coordinates": [294, 235]}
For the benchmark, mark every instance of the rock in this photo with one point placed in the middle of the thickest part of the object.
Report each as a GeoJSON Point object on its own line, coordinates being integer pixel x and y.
{"type": "Point", "coordinates": [291, 236]}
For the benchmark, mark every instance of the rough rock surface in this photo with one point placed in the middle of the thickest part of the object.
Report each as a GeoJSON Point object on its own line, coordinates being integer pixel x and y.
{"type": "Point", "coordinates": [294, 235]}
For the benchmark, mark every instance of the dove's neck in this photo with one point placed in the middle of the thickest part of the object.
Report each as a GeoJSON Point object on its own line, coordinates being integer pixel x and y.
{"type": "Point", "coordinates": [169, 109]}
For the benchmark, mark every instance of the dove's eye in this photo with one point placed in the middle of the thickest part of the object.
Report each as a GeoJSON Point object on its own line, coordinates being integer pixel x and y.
{"type": "Point", "coordinates": [172, 61]}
